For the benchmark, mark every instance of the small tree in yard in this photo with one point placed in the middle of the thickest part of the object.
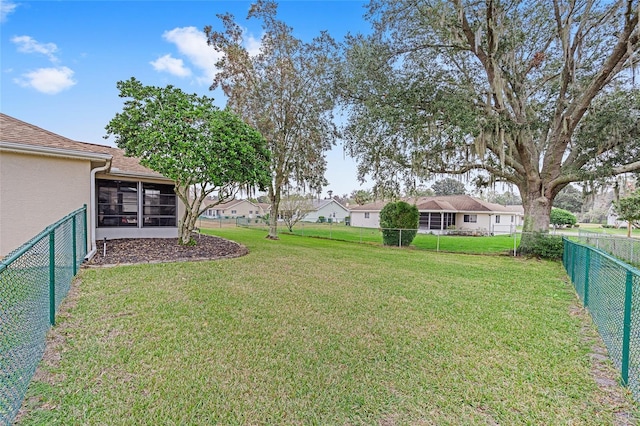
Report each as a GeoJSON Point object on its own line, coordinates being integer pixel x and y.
{"type": "Point", "coordinates": [399, 223]}
{"type": "Point", "coordinates": [186, 138]}
{"type": "Point", "coordinates": [293, 208]}
{"type": "Point", "coordinates": [560, 217]}
{"type": "Point", "coordinates": [628, 208]}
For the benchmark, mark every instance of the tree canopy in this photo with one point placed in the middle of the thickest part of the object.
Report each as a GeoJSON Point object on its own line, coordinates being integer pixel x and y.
{"type": "Point", "coordinates": [561, 217]}
{"type": "Point", "coordinates": [570, 198]}
{"type": "Point", "coordinates": [284, 90]}
{"type": "Point", "coordinates": [448, 186]}
{"type": "Point", "coordinates": [628, 209]}
{"type": "Point", "coordinates": [535, 93]}
{"type": "Point", "coordinates": [186, 138]}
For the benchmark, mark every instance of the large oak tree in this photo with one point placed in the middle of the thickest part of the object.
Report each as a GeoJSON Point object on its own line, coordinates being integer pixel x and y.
{"type": "Point", "coordinates": [284, 90]}
{"type": "Point", "coordinates": [535, 93]}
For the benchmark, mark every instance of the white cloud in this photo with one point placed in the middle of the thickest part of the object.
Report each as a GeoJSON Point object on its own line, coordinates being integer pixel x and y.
{"type": "Point", "coordinates": [171, 65]}
{"type": "Point", "coordinates": [28, 44]}
{"type": "Point", "coordinates": [252, 44]}
{"type": "Point", "coordinates": [6, 8]}
{"type": "Point", "coordinates": [192, 43]}
{"type": "Point", "coordinates": [48, 80]}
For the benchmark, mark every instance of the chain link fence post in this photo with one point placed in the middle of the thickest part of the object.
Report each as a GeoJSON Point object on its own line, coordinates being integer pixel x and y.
{"type": "Point", "coordinates": [52, 276]}
{"type": "Point", "coordinates": [626, 332]}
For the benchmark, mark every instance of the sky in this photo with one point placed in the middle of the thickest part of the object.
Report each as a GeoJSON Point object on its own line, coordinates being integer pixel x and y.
{"type": "Point", "coordinates": [60, 60]}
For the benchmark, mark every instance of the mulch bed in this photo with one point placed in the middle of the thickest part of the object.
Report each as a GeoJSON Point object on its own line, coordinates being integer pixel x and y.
{"type": "Point", "coordinates": [159, 250]}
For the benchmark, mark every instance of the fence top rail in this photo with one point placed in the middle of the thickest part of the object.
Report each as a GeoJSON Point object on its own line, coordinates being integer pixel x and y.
{"type": "Point", "coordinates": [11, 257]}
{"type": "Point", "coordinates": [583, 233]}
{"type": "Point", "coordinates": [603, 253]}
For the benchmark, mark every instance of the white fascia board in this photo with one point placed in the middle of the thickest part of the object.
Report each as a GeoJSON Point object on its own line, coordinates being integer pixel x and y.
{"type": "Point", "coordinates": [121, 173]}
{"type": "Point", "coordinates": [53, 152]}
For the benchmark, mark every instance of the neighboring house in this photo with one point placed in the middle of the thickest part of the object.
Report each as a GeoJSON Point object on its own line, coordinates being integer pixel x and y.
{"type": "Point", "coordinates": [234, 208]}
{"type": "Point", "coordinates": [445, 214]}
{"type": "Point", "coordinates": [266, 207]}
{"type": "Point", "coordinates": [329, 209]}
{"type": "Point", "coordinates": [519, 210]}
{"type": "Point", "coordinates": [612, 218]}
{"type": "Point", "coordinates": [45, 176]}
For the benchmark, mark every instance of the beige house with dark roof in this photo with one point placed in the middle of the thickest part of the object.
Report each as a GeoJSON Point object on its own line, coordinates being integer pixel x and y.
{"type": "Point", "coordinates": [444, 214]}
{"type": "Point", "coordinates": [234, 208]}
{"type": "Point", "coordinates": [45, 176]}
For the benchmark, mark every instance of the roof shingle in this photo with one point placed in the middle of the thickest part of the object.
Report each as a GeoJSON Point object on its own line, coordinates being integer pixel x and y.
{"type": "Point", "coordinates": [19, 132]}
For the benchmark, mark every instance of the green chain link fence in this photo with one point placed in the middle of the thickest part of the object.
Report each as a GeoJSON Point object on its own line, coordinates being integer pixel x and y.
{"type": "Point", "coordinates": [626, 249]}
{"type": "Point", "coordinates": [34, 279]}
{"type": "Point", "coordinates": [610, 290]}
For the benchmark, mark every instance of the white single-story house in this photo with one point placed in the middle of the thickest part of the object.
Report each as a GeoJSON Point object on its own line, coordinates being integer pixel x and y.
{"type": "Point", "coordinates": [329, 209]}
{"type": "Point", "coordinates": [234, 208]}
{"type": "Point", "coordinates": [45, 176]}
{"type": "Point", "coordinates": [447, 214]}
{"type": "Point", "coordinates": [519, 210]}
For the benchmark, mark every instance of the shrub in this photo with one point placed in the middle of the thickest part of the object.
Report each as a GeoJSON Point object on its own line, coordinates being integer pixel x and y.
{"type": "Point", "coordinates": [395, 217]}
{"type": "Point", "coordinates": [541, 244]}
{"type": "Point", "coordinates": [562, 217]}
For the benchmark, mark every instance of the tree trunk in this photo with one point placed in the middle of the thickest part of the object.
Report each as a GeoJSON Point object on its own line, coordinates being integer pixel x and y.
{"type": "Point", "coordinates": [274, 196]}
{"type": "Point", "coordinates": [537, 212]}
{"type": "Point", "coordinates": [537, 216]}
{"type": "Point", "coordinates": [186, 225]}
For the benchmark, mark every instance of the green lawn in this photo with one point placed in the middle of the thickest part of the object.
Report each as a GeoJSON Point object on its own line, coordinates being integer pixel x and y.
{"type": "Point", "coordinates": [312, 331]}
{"type": "Point", "coordinates": [445, 243]}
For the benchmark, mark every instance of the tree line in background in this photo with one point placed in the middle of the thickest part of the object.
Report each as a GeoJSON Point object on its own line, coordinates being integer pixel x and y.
{"type": "Point", "coordinates": [537, 95]}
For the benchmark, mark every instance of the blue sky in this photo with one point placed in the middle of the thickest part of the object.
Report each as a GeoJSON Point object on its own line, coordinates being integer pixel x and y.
{"type": "Point", "coordinates": [60, 60]}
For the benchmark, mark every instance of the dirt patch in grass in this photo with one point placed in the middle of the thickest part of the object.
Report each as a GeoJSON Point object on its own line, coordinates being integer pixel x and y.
{"type": "Point", "coordinates": [160, 250]}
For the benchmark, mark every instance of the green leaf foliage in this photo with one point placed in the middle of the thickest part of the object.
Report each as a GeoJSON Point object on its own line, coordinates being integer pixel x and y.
{"type": "Point", "coordinates": [188, 139]}
{"type": "Point", "coordinates": [628, 208]}
{"type": "Point", "coordinates": [399, 216]}
{"type": "Point", "coordinates": [448, 186]}
{"type": "Point", "coordinates": [541, 244]}
{"type": "Point", "coordinates": [561, 217]}
{"type": "Point", "coordinates": [537, 94]}
{"type": "Point", "coordinates": [284, 92]}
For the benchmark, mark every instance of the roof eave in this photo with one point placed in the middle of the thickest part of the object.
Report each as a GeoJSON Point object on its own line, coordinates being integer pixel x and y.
{"type": "Point", "coordinates": [53, 152]}
{"type": "Point", "coordinates": [123, 173]}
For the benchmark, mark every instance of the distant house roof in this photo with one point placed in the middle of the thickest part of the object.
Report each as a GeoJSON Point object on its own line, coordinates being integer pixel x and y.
{"type": "Point", "coordinates": [370, 207]}
{"type": "Point", "coordinates": [318, 204]}
{"type": "Point", "coordinates": [444, 203]}
{"type": "Point", "coordinates": [232, 203]}
{"type": "Point", "coordinates": [17, 135]}
{"type": "Point", "coordinates": [516, 208]}
{"type": "Point", "coordinates": [266, 207]}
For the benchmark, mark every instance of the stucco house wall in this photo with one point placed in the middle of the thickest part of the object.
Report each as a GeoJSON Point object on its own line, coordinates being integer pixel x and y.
{"type": "Point", "coordinates": [437, 215]}
{"type": "Point", "coordinates": [45, 176]}
{"type": "Point", "coordinates": [31, 200]}
{"type": "Point", "coordinates": [233, 209]}
{"type": "Point", "coordinates": [329, 209]}
{"type": "Point", "coordinates": [360, 219]}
